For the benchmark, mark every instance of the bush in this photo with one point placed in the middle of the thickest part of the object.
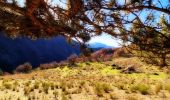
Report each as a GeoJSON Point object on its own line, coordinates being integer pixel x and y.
{"type": "Point", "coordinates": [24, 68]}
{"type": "Point", "coordinates": [82, 59]}
{"type": "Point", "coordinates": [72, 59]}
{"type": "Point", "coordinates": [48, 65]}
{"type": "Point", "coordinates": [53, 65]}
{"type": "Point", "coordinates": [44, 66]}
{"type": "Point", "coordinates": [63, 63]}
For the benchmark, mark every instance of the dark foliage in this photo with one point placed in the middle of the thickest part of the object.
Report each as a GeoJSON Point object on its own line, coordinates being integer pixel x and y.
{"type": "Point", "coordinates": [24, 68]}
{"type": "Point", "coordinates": [48, 65]}
{"type": "Point", "coordinates": [72, 59]}
{"type": "Point", "coordinates": [54, 65]}
{"type": "Point", "coordinates": [1, 72]}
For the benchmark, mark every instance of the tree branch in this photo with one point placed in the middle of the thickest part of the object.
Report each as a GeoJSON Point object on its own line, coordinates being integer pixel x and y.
{"type": "Point", "coordinates": [139, 8]}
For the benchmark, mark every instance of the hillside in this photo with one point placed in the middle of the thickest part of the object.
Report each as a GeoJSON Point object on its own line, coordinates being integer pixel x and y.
{"type": "Point", "coordinates": [90, 81]}
{"type": "Point", "coordinates": [14, 52]}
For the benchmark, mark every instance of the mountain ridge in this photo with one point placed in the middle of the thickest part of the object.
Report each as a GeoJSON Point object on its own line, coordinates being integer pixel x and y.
{"type": "Point", "coordinates": [14, 52]}
{"type": "Point", "coordinates": [99, 45]}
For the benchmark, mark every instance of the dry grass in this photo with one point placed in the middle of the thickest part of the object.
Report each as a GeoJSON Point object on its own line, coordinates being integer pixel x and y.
{"type": "Point", "coordinates": [88, 81]}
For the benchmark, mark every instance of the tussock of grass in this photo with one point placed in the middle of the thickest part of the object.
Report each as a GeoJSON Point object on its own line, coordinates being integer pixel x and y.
{"type": "Point", "coordinates": [107, 88]}
{"type": "Point", "coordinates": [7, 85]}
{"type": "Point", "coordinates": [158, 88]}
{"type": "Point", "coordinates": [99, 90]}
{"type": "Point", "coordinates": [27, 90]}
{"type": "Point", "coordinates": [46, 87]}
{"type": "Point", "coordinates": [167, 86]}
{"type": "Point", "coordinates": [142, 88]}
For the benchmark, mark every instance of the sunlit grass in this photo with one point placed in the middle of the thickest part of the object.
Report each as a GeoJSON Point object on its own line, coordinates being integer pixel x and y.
{"type": "Point", "coordinates": [87, 80]}
{"type": "Point", "coordinates": [109, 71]}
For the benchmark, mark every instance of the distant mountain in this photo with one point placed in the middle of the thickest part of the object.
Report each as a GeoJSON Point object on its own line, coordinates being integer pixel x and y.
{"type": "Point", "coordinates": [14, 52]}
{"type": "Point", "coordinates": [99, 45]}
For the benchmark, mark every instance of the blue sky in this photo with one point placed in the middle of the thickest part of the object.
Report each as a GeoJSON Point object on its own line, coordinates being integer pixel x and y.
{"type": "Point", "coordinates": [106, 39]}
{"type": "Point", "coordinates": [109, 40]}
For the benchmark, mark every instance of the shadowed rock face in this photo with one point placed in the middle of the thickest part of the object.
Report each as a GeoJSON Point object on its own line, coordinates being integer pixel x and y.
{"type": "Point", "coordinates": [14, 52]}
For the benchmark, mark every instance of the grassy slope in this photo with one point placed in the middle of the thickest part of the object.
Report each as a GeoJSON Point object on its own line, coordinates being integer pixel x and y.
{"type": "Point", "coordinates": [88, 81]}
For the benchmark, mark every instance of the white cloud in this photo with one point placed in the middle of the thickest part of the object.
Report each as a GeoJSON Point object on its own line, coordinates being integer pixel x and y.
{"type": "Point", "coordinates": [106, 39]}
